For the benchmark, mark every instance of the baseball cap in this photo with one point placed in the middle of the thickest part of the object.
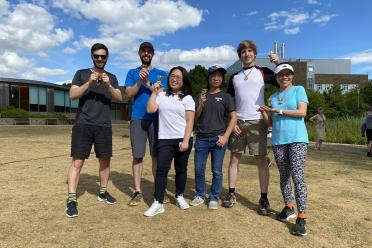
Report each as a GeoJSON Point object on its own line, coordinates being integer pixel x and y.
{"type": "Point", "coordinates": [215, 68]}
{"type": "Point", "coordinates": [283, 66]}
{"type": "Point", "coordinates": [146, 44]}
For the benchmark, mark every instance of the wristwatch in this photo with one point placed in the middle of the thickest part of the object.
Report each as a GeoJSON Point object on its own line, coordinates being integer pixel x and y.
{"type": "Point", "coordinates": [280, 112]}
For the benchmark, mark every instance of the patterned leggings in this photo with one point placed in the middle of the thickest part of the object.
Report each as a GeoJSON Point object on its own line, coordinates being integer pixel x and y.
{"type": "Point", "coordinates": [290, 159]}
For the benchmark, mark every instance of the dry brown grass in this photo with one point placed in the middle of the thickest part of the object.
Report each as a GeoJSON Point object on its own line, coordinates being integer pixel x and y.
{"type": "Point", "coordinates": [34, 162]}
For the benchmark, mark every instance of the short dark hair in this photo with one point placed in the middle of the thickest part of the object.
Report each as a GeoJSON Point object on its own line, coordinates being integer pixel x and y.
{"type": "Point", "coordinates": [186, 86]}
{"type": "Point", "coordinates": [246, 44]}
{"type": "Point", "coordinates": [99, 46]}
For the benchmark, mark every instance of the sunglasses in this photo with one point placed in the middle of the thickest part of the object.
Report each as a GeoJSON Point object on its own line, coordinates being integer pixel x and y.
{"type": "Point", "coordinates": [97, 56]}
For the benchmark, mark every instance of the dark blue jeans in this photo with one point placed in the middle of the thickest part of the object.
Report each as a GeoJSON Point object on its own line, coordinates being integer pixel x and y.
{"type": "Point", "coordinates": [204, 146]}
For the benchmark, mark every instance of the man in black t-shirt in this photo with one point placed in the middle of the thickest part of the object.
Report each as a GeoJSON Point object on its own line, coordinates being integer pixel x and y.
{"type": "Point", "coordinates": [95, 88]}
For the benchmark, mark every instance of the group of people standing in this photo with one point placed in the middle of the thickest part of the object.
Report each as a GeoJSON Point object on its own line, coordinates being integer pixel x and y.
{"type": "Point", "coordinates": [165, 114]}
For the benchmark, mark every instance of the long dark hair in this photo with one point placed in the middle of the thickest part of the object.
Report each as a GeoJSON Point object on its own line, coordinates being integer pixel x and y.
{"type": "Point", "coordinates": [186, 86]}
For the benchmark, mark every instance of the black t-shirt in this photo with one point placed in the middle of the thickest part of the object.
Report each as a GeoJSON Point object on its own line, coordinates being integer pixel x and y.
{"type": "Point", "coordinates": [211, 121]}
{"type": "Point", "coordinates": [94, 105]}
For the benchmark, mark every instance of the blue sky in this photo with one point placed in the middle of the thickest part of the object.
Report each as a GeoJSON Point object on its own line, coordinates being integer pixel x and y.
{"type": "Point", "coordinates": [49, 40]}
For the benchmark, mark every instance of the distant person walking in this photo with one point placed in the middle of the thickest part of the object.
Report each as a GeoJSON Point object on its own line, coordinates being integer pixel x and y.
{"type": "Point", "coordinates": [95, 88]}
{"type": "Point", "coordinates": [212, 135]}
{"type": "Point", "coordinates": [176, 119]}
{"type": "Point", "coordinates": [286, 111]}
{"type": "Point", "coordinates": [143, 126]}
{"type": "Point", "coordinates": [367, 130]}
{"type": "Point", "coordinates": [319, 121]}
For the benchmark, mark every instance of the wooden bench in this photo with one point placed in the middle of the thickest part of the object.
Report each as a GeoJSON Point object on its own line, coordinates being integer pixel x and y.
{"type": "Point", "coordinates": [51, 121]}
{"type": "Point", "coordinates": [22, 121]}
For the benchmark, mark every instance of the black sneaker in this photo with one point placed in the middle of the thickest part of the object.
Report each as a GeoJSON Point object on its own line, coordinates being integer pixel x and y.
{"type": "Point", "coordinates": [286, 214]}
{"type": "Point", "coordinates": [106, 197]}
{"type": "Point", "coordinates": [71, 210]}
{"type": "Point", "coordinates": [229, 200]}
{"type": "Point", "coordinates": [369, 154]}
{"type": "Point", "coordinates": [300, 227]}
{"type": "Point", "coordinates": [264, 207]}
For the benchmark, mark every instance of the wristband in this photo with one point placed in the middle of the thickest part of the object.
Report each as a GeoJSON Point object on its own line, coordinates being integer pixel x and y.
{"type": "Point", "coordinates": [280, 112]}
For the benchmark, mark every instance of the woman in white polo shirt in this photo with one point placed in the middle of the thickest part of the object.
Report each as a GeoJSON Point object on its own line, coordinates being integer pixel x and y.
{"type": "Point", "coordinates": [176, 118]}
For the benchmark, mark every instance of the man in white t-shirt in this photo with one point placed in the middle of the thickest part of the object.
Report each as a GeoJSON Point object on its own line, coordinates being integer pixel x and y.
{"type": "Point", "coordinates": [247, 86]}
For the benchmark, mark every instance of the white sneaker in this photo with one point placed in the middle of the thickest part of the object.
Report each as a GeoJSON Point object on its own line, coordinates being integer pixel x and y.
{"type": "Point", "coordinates": [156, 208]}
{"type": "Point", "coordinates": [213, 205]}
{"type": "Point", "coordinates": [197, 201]}
{"type": "Point", "coordinates": [181, 202]}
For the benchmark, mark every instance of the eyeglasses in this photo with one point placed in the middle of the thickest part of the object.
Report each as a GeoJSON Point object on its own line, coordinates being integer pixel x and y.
{"type": "Point", "coordinates": [97, 56]}
{"type": "Point", "coordinates": [178, 78]}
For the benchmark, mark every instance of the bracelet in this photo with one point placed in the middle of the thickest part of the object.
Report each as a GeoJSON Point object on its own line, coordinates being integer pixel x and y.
{"type": "Point", "coordinates": [280, 112]}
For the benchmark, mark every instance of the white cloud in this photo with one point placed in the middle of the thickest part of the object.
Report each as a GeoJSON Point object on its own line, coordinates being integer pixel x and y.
{"type": "Point", "coordinates": [323, 19]}
{"type": "Point", "coordinates": [252, 13]}
{"type": "Point", "coordinates": [290, 21]}
{"type": "Point", "coordinates": [4, 7]}
{"type": "Point", "coordinates": [223, 55]}
{"type": "Point", "coordinates": [126, 23]}
{"type": "Point", "coordinates": [13, 65]}
{"type": "Point", "coordinates": [362, 57]}
{"type": "Point", "coordinates": [313, 2]}
{"type": "Point", "coordinates": [291, 30]}
{"type": "Point", "coordinates": [30, 28]}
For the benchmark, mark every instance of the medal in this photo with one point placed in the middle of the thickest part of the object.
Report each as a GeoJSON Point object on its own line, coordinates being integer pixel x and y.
{"type": "Point", "coordinates": [246, 75]}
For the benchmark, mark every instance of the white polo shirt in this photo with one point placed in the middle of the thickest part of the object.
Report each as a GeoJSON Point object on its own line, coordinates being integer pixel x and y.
{"type": "Point", "coordinates": [172, 115]}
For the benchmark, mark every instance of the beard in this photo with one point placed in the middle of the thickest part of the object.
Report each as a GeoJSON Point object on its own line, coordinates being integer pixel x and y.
{"type": "Point", "coordinates": [100, 66]}
{"type": "Point", "coordinates": [146, 62]}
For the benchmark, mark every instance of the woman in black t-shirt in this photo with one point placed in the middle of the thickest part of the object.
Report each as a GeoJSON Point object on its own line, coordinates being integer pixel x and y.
{"type": "Point", "coordinates": [212, 135]}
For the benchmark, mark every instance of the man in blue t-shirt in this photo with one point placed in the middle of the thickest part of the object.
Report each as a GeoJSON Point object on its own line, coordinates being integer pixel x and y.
{"type": "Point", "coordinates": [138, 87]}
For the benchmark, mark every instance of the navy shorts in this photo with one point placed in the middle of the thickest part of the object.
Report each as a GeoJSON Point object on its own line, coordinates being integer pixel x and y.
{"type": "Point", "coordinates": [369, 134]}
{"type": "Point", "coordinates": [84, 136]}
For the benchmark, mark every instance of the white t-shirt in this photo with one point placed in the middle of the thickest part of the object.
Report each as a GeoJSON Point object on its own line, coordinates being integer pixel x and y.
{"type": "Point", "coordinates": [172, 115]}
{"type": "Point", "coordinates": [249, 94]}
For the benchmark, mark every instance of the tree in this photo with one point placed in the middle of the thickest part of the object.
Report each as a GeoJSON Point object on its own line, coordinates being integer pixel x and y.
{"type": "Point", "coordinates": [198, 79]}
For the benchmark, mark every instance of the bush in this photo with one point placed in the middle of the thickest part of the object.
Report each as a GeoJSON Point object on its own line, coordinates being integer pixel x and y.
{"type": "Point", "coordinates": [341, 130]}
{"type": "Point", "coordinates": [12, 112]}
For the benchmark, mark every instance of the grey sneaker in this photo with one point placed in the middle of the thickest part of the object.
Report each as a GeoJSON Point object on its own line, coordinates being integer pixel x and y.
{"type": "Point", "coordinates": [286, 214]}
{"type": "Point", "coordinates": [213, 205]}
{"type": "Point", "coordinates": [136, 199]}
{"type": "Point", "coordinates": [229, 200]}
{"type": "Point", "coordinates": [300, 227]}
{"type": "Point", "coordinates": [197, 201]}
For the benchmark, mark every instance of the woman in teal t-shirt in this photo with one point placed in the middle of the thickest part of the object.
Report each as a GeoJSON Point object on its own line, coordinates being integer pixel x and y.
{"type": "Point", "coordinates": [286, 111]}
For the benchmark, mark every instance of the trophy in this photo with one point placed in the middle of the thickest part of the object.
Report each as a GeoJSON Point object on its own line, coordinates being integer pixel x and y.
{"type": "Point", "coordinates": [99, 78]}
{"type": "Point", "coordinates": [148, 83]}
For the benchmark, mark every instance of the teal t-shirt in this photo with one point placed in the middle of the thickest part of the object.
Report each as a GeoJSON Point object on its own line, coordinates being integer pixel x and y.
{"type": "Point", "coordinates": [288, 129]}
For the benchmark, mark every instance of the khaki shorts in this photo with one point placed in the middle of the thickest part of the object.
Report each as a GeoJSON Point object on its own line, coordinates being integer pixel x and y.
{"type": "Point", "coordinates": [254, 135]}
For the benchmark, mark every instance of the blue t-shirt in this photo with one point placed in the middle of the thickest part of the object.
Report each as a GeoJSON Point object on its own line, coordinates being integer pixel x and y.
{"type": "Point", "coordinates": [288, 129]}
{"type": "Point", "coordinates": [140, 100]}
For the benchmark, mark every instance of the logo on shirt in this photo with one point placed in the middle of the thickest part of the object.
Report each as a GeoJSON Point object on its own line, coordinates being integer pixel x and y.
{"type": "Point", "coordinates": [218, 99]}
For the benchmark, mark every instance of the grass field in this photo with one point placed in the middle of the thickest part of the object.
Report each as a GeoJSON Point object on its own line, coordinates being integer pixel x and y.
{"type": "Point", "coordinates": [34, 162]}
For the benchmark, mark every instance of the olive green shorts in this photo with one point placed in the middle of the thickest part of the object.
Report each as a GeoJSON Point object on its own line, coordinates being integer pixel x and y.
{"type": "Point", "coordinates": [254, 135]}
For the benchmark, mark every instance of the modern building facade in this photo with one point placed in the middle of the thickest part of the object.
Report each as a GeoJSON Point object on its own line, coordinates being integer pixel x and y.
{"type": "Point", "coordinates": [316, 74]}
{"type": "Point", "coordinates": [42, 97]}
